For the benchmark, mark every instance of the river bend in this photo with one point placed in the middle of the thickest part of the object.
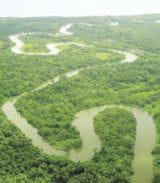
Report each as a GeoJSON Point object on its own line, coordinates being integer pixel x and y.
{"type": "Point", "coordinates": [145, 137]}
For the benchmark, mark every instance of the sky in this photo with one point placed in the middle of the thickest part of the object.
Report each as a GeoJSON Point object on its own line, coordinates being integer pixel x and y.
{"type": "Point", "coordinates": [29, 8]}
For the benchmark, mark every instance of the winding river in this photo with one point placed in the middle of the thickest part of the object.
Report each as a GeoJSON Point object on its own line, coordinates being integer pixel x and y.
{"type": "Point", "coordinates": [64, 30]}
{"type": "Point", "coordinates": [145, 137]}
{"type": "Point", "coordinates": [52, 47]}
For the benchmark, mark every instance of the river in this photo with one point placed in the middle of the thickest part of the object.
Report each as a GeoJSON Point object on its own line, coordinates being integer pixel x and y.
{"type": "Point", "coordinates": [145, 136]}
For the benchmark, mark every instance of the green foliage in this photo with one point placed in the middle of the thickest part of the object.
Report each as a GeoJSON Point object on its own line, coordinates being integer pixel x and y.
{"type": "Point", "coordinates": [52, 109]}
{"type": "Point", "coordinates": [116, 129]}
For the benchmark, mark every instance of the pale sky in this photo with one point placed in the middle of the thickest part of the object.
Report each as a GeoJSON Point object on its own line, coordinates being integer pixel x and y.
{"type": "Point", "coordinates": [77, 7]}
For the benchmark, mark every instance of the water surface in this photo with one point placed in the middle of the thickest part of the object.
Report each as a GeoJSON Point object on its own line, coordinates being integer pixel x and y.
{"type": "Point", "coordinates": [145, 137]}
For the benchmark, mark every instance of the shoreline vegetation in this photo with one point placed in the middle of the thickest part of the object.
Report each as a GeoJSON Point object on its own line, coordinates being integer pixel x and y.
{"type": "Point", "coordinates": [106, 81]}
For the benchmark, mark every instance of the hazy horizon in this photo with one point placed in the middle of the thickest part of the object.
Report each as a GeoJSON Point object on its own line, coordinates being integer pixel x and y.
{"type": "Point", "coordinates": [34, 8]}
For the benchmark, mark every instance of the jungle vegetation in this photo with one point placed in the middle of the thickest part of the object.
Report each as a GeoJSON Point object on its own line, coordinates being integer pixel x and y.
{"type": "Point", "coordinates": [52, 110]}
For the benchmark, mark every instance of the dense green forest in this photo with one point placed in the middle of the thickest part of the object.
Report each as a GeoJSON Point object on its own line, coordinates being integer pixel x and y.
{"type": "Point", "coordinates": [117, 143]}
{"type": "Point", "coordinates": [52, 109]}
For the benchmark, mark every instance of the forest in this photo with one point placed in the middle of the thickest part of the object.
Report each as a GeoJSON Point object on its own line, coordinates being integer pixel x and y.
{"type": "Point", "coordinates": [102, 80]}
